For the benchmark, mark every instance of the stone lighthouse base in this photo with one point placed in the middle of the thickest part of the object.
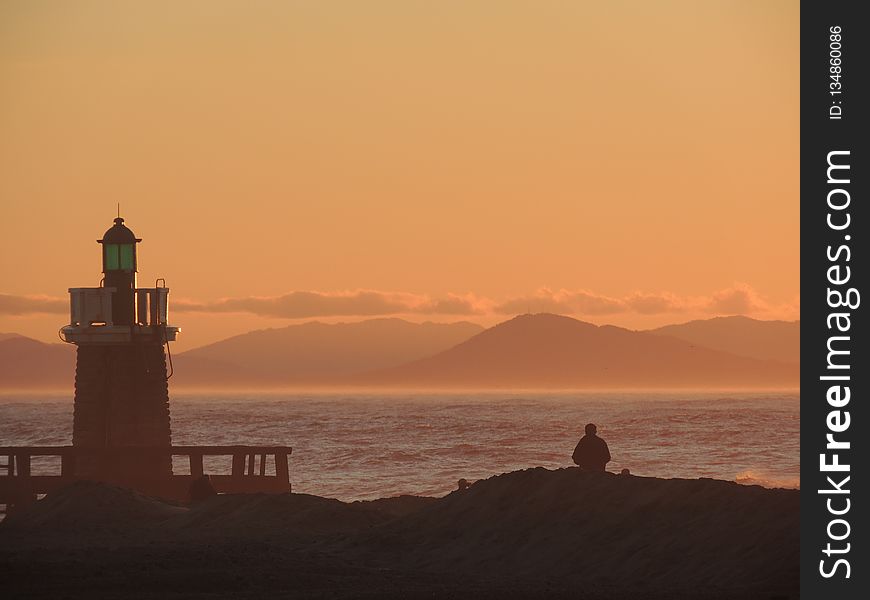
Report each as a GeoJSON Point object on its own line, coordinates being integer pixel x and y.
{"type": "Point", "coordinates": [122, 399]}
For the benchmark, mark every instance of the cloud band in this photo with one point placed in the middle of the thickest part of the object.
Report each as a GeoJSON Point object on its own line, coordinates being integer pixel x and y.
{"type": "Point", "coordinates": [737, 299]}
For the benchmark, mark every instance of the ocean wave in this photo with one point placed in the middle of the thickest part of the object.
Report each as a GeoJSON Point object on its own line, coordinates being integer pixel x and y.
{"type": "Point", "coordinates": [751, 477]}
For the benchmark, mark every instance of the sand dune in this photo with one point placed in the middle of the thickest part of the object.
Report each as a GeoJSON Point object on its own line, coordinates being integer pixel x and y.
{"type": "Point", "coordinates": [535, 532]}
{"type": "Point", "coordinates": [90, 511]}
{"type": "Point", "coordinates": [585, 528]}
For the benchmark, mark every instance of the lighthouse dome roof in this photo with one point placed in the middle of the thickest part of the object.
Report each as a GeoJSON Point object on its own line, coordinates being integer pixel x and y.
{"type": "Point", "coordinates": [119, 234]}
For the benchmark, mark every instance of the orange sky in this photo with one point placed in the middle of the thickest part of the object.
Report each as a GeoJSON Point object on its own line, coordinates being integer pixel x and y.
{"type": "Point", "coordinates": [626, 162]}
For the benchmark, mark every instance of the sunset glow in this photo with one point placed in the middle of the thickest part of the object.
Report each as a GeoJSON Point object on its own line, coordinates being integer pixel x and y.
{"type": "Point", "coordinates": [628, 164]}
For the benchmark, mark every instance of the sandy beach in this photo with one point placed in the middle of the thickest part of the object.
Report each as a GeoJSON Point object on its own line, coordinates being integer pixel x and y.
{"type": "Point", "coordinates": [531, 533]}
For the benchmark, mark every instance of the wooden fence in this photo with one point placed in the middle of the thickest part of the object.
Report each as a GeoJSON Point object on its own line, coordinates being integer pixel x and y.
{"type": "Point", "coordinates": [248, 472]}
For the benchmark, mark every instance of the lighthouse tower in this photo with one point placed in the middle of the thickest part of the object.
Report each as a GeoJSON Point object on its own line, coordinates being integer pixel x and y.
{"type": "Point", "coordinates": [121, 389]}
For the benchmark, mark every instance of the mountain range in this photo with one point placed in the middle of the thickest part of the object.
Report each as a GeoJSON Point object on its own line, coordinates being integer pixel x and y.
{"type": "Point", "coordinates": [29, 364]}
{"type": "Point", "coordinates": [529, 351]}
{"type": "Point", "coordinates": [552, 351]}
{"type": "Point", "coordinates": [764, 340]}
{"type": "Point", "coordinates": [318, 352]}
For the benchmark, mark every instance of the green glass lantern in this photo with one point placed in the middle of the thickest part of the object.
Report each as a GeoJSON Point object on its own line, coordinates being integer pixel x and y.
{"type": "Point", "coordinates": [119, 248]}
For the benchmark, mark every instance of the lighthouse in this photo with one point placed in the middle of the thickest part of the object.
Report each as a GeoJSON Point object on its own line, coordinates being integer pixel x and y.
{"type": "Point", "coordinates": [121, 387]}
{"type": "Point", "coordinates": [121, 428]}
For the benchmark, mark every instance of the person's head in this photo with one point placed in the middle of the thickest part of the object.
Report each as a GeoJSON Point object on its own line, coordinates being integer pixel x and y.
{"type": "Point", "coordinates": [591, 429]}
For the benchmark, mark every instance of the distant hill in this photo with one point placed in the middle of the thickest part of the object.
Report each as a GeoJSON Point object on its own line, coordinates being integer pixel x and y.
{"type": "Point", "coordinates": [317, 351]}
{"type": "Point", "coordinates": [545, 351]}
{"type": "Point", "coordinates": [765, 340]}
{"type": "Point", "coordinates": [28, 364]}
{"type": "Point", "coordinates": [550, 351]}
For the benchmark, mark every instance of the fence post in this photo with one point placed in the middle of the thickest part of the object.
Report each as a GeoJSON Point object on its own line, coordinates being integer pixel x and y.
{"type": "Point", "coordinates": [238, 465]}
{"type": "Point", "coordinates": [68, 464]}
{"type": "Point", "coordinates": [195, 465]}
{"type": "Point", "coordinates": [282, 471]}
{"type": "Point", "coordinates": [25, 493]}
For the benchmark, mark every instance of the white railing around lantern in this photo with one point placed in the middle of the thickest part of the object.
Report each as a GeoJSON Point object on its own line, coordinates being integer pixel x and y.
{"type": "Point", "coordinates": [93, 306]}
{"type": "Point", "coordinates": [90, 306]}
{"type": "Point", "coordinates": [152, 306]}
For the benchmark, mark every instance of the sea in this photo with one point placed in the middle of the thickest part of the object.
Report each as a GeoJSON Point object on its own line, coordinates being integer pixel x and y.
{"type": "Point", "coordinates": [366, 446]}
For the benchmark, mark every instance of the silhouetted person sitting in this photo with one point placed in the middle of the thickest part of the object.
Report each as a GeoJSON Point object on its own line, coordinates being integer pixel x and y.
{"type": "Point", "coordinates": [591, 453]}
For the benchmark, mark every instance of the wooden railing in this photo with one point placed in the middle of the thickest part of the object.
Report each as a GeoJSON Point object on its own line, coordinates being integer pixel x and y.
{"type": "Point", "coordinates": [248, 472]}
